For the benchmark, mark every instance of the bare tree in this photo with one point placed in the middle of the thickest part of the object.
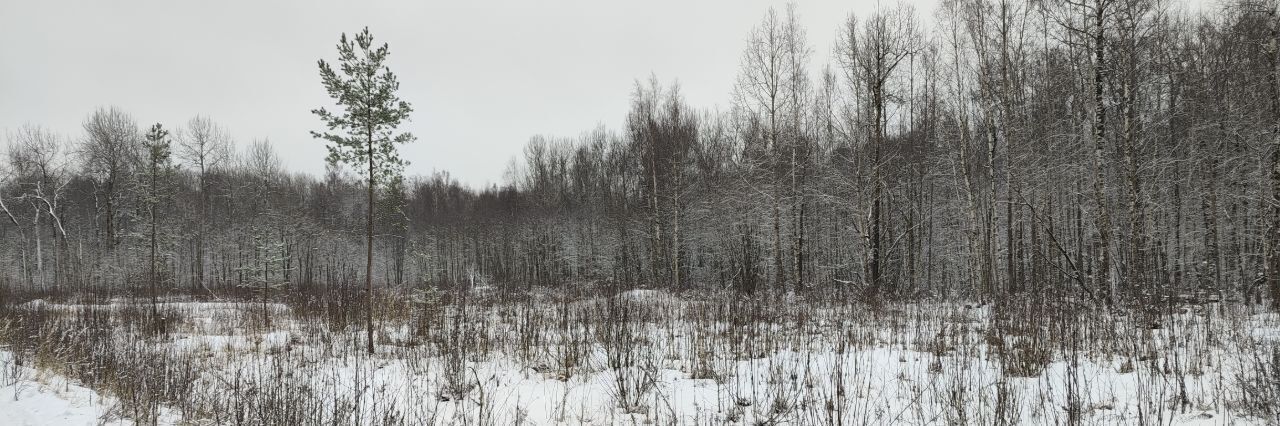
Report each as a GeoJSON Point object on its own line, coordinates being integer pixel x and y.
{"type": "Point", "coordinates": [664, 132]}
{"type": "Point", "coordinates": [1271, 11]}
{"type": "Point", "coordinates": [263, 165]}
{"type": "Point", "coordinates": [872, 57]}
{"type": "Point", "coordinates": [39, 166]}
{"type": "Point", "coordinates": [772, 87]}
{"type": "Point", "coordinates": [206, 147]}
{"type": "Point", "coordinates": [110, 149]}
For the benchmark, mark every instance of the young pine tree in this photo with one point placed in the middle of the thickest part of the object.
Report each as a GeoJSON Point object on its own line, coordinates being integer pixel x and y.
{"type": "Point", "coordinates": [155, 193]}
{"type": "Point", "coordinates": [364, 134]}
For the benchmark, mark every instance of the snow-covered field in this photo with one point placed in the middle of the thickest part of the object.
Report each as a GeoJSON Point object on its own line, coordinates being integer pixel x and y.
{"type": "Point", "coordinates": [641, 357]}
{"type": "Point", "coordinates": [30, 397]}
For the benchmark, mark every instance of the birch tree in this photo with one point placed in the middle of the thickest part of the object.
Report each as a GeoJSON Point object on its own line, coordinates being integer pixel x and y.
{"type": "Point", "coordinates": [206, 147]}
{"type": "Point", "coordinates": [872, 56]}
{"type": "Point", "coordinates": [110, 150]}
{"type": "Point", "coordinates": [771, 88]}
{"type": "Point", "coordinates": [39, 165]}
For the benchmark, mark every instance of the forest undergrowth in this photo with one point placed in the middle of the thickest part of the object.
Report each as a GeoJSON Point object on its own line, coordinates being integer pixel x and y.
{"type": "Point", "coordinates": [585, 355]}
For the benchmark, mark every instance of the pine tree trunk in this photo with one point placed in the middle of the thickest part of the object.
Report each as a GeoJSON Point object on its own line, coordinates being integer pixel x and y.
{"type": "Point", "coordinates": [153, 239]}
{"type": "Point", "coordinates": [368, 268]}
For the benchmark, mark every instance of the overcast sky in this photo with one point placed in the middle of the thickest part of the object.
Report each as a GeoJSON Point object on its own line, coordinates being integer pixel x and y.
{"type": "Point", "coordinates": [483, 76]}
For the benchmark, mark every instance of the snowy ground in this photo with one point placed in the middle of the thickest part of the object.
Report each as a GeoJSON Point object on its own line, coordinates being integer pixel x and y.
{"type": "Point", "coordinates": [32, 397]}
{"type": "Point", "coordinates": [675, 362]}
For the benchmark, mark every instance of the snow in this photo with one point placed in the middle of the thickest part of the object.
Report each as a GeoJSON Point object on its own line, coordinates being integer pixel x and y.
{"type": "Point", "coordinates": [30, 397]}
{"type": "Point", "coordinates": [890, 375]}
{"type": "Point", "coordinates": [34, 403]}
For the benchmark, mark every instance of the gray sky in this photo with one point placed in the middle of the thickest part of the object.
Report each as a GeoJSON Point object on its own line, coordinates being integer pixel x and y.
{"type": "Point", "coordinates": [482, 76]}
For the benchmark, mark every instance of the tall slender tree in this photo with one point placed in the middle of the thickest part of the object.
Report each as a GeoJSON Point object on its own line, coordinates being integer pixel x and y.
{"type": "Point", "coordinates": [41, 176]}
{"type": "Point", "coordinates": [109, 149]}
{"type": "Point", "coordinates": [871, 59]}
{"type": "Point", "coordinates": [206, 147]}
{"type": "Point", "coordinates": [153, 184]}
{"type": "Point", "coordinates": [772, 89]}
{"type": "Point", "coordinates": [1272, 239]}
{"type": "Point", "coordinates": [365, 132]}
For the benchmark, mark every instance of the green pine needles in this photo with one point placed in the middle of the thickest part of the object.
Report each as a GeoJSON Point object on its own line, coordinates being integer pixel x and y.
{"type": "Point", "coordinates": [364, 134]}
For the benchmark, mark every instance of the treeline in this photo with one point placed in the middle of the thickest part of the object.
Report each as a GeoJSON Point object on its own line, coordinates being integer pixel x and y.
{"type": "Point", "coordinates": [1102, 149]}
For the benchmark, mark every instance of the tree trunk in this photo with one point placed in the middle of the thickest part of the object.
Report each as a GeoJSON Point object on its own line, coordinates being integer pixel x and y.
{"type": "Point", "coordinates": [152, 211]}
{"type": "Point", "coordinates": [368, 268]}
{"type": "Point", "coordinates": [873, 264]}
{"type": "Point", "coordinates": [1103, 274]}
{"type": "Point", "coordinates": [1135, 269]}
{"type": "Point", "coordinates": [1273, 230]}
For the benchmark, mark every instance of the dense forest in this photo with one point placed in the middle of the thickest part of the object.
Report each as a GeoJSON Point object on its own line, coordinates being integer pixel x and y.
{"type": "Point", "coordinates": [1101, 149]}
